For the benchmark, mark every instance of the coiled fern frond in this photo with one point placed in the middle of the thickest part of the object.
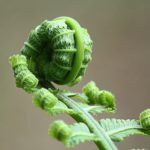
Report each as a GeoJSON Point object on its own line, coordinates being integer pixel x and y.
{"type": "Point", "coordinates": [59, 51]}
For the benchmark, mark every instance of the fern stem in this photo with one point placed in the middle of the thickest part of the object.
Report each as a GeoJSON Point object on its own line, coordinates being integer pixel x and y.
{"type": "Point", "coordinates": [104, 143]}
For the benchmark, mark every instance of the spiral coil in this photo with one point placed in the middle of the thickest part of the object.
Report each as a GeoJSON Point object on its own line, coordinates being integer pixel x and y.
{"type": "Point", "coordinates": [44, 99]}
{"type": "Point", "coordinates": [145, 118]}
{"type": "Point", "coordinates": [97, 96]}
{"type": "Point", "coordinates": [58, 51]}
{"type": "Point", "coordinates": [60, 130]}
{"type": "Point", "coordinates": [24, 77]}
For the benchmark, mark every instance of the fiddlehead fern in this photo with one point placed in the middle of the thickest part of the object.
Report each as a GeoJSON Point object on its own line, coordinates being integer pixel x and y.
{"type": "Point", "coordinates": [96, 96]}
{"type": "Point", "coordinates": [145, 119]}
{"type": "Point", "coordinates": [60, 130]}
{"type": "Point", "coordinates": [59, 51]}
{"type": "Point", "coordinates": [44, 99]}
{"type": "Point", "coordinates": [24, 77]}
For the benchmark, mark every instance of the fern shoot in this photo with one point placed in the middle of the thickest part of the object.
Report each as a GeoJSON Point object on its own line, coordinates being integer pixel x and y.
{"type": "Point", "coordinates": [59, 52]}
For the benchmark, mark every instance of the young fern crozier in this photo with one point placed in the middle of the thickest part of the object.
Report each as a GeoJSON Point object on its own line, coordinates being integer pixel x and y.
{"type": "Point", "coordinates": [59, 51]}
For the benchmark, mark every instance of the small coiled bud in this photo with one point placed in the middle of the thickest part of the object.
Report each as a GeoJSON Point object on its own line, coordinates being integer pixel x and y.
{"type": "Point", "coordinates": [60, 130]}
{"type": "Point", "coordinates": [91, 91]}
{"type": "Point", "coordinates": [18, 63]}
{"type": "Point", "coordinates": [96, 96]}
{"type": "Point", "coordinates": [17, 60]}
{"type": "Point", "coordinates": [107, 99]}
{"type": "Point", "coordinates": [24, 78]}
{"type": "Point", "coordinates": [145, 118]}
{"type": "Point", "coordinates": [44, 99]}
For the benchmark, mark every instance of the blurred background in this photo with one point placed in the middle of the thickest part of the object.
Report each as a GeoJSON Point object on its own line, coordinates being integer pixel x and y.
{"type": "Point", "coordinates": [121, 63]}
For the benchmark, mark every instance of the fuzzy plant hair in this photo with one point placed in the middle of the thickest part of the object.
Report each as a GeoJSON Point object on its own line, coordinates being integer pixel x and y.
{"type": "Point", "coordinates": [59, 52]}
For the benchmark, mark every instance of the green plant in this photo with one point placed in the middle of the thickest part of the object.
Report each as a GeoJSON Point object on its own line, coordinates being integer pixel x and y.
{"type": "Point", "coordinates": [59, 51]}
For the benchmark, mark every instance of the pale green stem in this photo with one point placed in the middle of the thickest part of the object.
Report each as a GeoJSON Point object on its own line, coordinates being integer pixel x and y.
{"type": "Point", "coordinates": [104, 143]}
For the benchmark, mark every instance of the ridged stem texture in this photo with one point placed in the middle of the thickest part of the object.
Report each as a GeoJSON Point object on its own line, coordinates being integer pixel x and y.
{"type": "Point", "coordinates": [104, 143]}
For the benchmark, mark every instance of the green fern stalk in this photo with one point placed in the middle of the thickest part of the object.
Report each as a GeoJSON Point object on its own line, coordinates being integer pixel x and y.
{"type": "Point", "coordinates": [104, 141]}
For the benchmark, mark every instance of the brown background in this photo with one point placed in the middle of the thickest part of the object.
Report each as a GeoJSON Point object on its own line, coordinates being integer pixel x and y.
{"type": "Point", "coordinates": [120, 30]}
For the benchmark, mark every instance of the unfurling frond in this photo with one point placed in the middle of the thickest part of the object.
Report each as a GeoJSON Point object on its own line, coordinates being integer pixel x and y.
{"type": "Point", "coordinates": [145, 119]}
{"type": "Point", "coordinates": [118, 129]}
{"type": "Point", "coordinates": [60, 130]}
{"type": "Point", "coordinates": [44, 99]}
{"type": "Point", "coordinates": [71, 135]}
{"type": "Point", "coordinates": [24, 77]}
{"type": "Point", "coordinates": [97, 96]}
{"type": "Point", "coordinates": [58, 52]}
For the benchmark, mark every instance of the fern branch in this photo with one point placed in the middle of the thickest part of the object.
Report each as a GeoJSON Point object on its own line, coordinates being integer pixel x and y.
{"type": "Point", "coordinates": [104, 140]}
{"type": "Point", "coordinates": [118, 129]}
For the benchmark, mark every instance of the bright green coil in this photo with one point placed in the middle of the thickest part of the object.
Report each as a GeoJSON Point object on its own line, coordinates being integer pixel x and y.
{"type": "Point", "coordinates": [58, 51]}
